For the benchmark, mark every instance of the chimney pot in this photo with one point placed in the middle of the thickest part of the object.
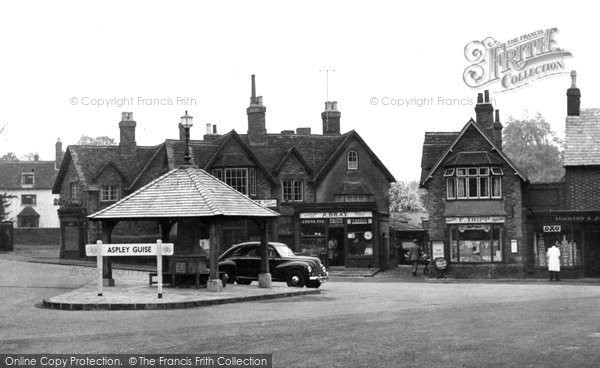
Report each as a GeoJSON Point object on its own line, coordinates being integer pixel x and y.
{"type": "Point", "coordinates": [497, 116]}
{"type": "Point", "coordinates": [215, 129]}
{"type": "Point", "coordinates": [58, 154]}
{"type": "Point", "coordinates": [208, 128]}
{"type": "Point", "coordinates": [573, 97]}
{"type": "Point", "coordinates": [334, 106]}
{"type": "Point", "coordinates": [36, 157]}
{"type": "Point", "coordinates": [573, 79]}
{"type": "Point", "coordinates": [487, 95]}
{"type": "Point", "coordinates": [480, 98]}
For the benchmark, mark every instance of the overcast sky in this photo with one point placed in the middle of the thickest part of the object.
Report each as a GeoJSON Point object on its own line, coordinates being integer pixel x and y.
{"type": "Point", "coordinates": [58, 58]}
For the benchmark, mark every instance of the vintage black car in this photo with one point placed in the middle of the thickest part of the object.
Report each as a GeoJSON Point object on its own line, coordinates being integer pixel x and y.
{"type": "Point", "coordinates": [241, 262]}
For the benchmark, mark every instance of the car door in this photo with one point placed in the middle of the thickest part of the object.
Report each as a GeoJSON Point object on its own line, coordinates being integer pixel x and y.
{"type": "Point", "coordinates": [248, 263]}
{"type": "Point", "coordinates": [275, 260]}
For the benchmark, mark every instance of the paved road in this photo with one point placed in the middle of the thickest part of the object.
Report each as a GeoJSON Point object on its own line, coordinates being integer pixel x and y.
{"type": "Point", "coordinates": [366, 324]}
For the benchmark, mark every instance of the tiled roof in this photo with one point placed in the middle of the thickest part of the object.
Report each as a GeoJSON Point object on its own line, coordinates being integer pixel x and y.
{"type": "Point", "coordinates": [472, 158]}
{"type": "Point", "coordinates": [10, 174]}
{"type": "Point", "coordinates": [434, 145]}
{"type": "Point", "coordinates": [470, 126]}
{"type": "Point", "coordinates": [90, 160]}
{"type": "Point", "coordinates": [184, 192]}
{"type": "Point", "coordinates": [582, 143]}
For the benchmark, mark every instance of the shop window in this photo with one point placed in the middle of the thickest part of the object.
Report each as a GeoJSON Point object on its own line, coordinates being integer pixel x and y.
{"type": "Point", "coordinates": [352, 160]}
{"type": "Point", "coordinates": [476, 243]}
{"type": "Point", "coordinates": [28, 199]}
{"type": "Point", "coordinates": [292, 190]}
{"type": "Point", "coordinates": [109, 193]}
{"type": "Point", "coordinates": [312, 238]}
{"type": "Point", "coordinates": [569, 243]}
{"type": "Point", "coordinates": [473, 183]}
{"type": "Point", "coordinates": [360, 239]}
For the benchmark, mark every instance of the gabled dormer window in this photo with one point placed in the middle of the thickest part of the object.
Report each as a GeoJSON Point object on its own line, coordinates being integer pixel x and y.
{"type": "Point", "coordinates": [473, 183]}
{"type": "Point", "coordinates": [27, 179]}
{"type": "Point", "coordinates": [109, 193]}
{"type": "Point", "coordinates": [352, 160]}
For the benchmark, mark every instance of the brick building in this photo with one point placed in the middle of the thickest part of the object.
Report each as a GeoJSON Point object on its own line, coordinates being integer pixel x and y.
{"type": "Point", "coordinates": [567, 212]}
{"type": "Point", "coordinates": [324, 185]}
{"type": "Point", "coordinates": [475, 198]}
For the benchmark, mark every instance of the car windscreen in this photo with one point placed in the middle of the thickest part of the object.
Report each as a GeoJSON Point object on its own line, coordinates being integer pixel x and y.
{"type": "Point", "coordinates": [284, 250]}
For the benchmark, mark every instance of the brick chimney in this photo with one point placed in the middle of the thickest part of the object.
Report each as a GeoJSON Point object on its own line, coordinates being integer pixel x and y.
{"type": "Point", "coordinates": [58, 154]}
{"type": "Point", "coordinates": [331, 119]}
{"type": "Point", "coordinates": [127, 137]}
{"type": "Point", "coordinates": [573, 96]}
{"type": "Point", "coordinates": [257, 131]}
{"type": "Point", "coordinates": [484, 114]}
{"type": "Point", "coordinates": [498, 130]}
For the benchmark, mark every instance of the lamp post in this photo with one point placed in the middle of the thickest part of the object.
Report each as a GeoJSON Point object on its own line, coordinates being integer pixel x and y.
{"type": "Point", "coordinates": [187, 123]}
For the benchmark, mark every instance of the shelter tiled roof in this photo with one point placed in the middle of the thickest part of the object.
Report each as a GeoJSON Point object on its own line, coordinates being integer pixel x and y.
{"type": "Point", "coordinates": [582, 143]}
{"type": "Point", "coordinates": [184, 192]}
{"type": "Point", "coordinates": [44, 174]}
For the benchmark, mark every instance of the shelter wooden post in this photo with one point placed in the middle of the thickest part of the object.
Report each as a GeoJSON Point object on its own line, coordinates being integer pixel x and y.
{"type": "Point", "coordinates": [214, 282]}
{"type": "Point", "coordinates": [264, 277]}
{"type": "Point", "coordinates": [107, 228]}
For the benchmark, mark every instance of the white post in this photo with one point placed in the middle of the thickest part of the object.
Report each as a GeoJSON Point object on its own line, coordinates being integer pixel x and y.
{"type": "Point", "coordinates": [159, 266]}
{"type": "Point", "coordinates": [99, 263]}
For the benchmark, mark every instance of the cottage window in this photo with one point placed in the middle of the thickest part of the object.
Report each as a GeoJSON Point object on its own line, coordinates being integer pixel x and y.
{"type": "Point", "coordinates": [109, 193]}
{"type": "Point", "coordinates": [352, 160]}
{"type": "Point", "coordinates": [293, 190]}
{"type": "Point", "coordinates": [345, 198]}
{"type": "Point", "coordinates": [242, 179]}
{"type": "Point", "coordinates": [473, 183]}
{"type": "Point", "coordinates": [29, 199]}
{"type": "Point", "coordinates": [28, 221]}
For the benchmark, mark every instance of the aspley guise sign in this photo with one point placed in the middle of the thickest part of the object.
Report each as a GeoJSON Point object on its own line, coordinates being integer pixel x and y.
{"type": "Point", "coordinates": [112, 250]}
{"type": "Point", "coordinates": [514, 63]}
{"type": "Point", "coordinates": [336, 214]}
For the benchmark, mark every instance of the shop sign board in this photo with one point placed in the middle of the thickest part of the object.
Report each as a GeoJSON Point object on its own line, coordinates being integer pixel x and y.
{"type": "Point", "coordinates": [475, 220]}
{"type": "Point", "coordinates": [336, 214]}
{"type": "Point", "coordinates": [437, 249]}
{"type": "Point", "coordinates": [269, 203]}
{"type": "Point", "coordinates": [552, 228]}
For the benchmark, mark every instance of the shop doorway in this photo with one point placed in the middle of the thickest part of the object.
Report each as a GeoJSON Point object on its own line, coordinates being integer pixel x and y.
{"type": "Point", "coordinates": [339, 249]}
{"type": "Point", "coordinates": [592, 254]}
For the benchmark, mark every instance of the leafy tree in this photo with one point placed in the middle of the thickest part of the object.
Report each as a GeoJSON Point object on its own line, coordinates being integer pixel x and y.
{"type": "Point", "coordinates": [9, 157]}
{"type": "Point", "coordinates": [405, 196]}
{"type": "Point", "coordinates": [534, 148]}
{"type": "Point", "coordinates": [4, 204]}
{"type": "Point", "coordinates": [96, 141]}
{"type": "Point", "coordinates": [29, 156]}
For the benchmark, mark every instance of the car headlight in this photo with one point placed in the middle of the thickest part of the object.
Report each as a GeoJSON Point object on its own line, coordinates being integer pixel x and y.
{"type": "Point", "coordinates": [309, 269]}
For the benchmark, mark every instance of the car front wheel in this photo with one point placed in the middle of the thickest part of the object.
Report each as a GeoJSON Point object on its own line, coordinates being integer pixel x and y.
{"type": "Point", "coordinates": [295, 279]}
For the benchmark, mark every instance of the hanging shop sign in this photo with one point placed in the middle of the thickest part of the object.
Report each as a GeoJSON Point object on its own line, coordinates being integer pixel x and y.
{"type": "Point", "coordinates": [475, 220]}
{"type": "Point", "coordinates": [269, 203]}
{"type": "Point", "coordinates": [368, 235]}
{"type": "Point", "coordinates": [336, 214]}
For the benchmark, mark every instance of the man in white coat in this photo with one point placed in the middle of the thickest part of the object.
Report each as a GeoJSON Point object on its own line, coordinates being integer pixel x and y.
{"type": "Point", "coordinates": [554, 262]}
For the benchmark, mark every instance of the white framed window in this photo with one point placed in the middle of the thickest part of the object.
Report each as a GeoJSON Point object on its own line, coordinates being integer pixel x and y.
{"type": "Point", "coordinates": [473, 183]}
{"type": "Point", "coordinates": [292, 190]}
{"type": "Point", "coordinates": [242, 179]}
{"type": "Point", "coordinates": [109, 193]}
{"type": "Point", "coordinates": [352, 160]}
{"type": "Point", "coordinates": [252, 181]}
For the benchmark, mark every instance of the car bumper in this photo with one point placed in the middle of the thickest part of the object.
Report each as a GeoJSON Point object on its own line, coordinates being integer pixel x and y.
{"type": "Point", "coordinates": [321, 278]}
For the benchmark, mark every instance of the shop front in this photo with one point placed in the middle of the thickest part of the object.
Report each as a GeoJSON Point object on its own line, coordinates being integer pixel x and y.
{"type": "Point", "coordinates": [347, 238]}
{"type": "Point", "coordinates": [576, 234]}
